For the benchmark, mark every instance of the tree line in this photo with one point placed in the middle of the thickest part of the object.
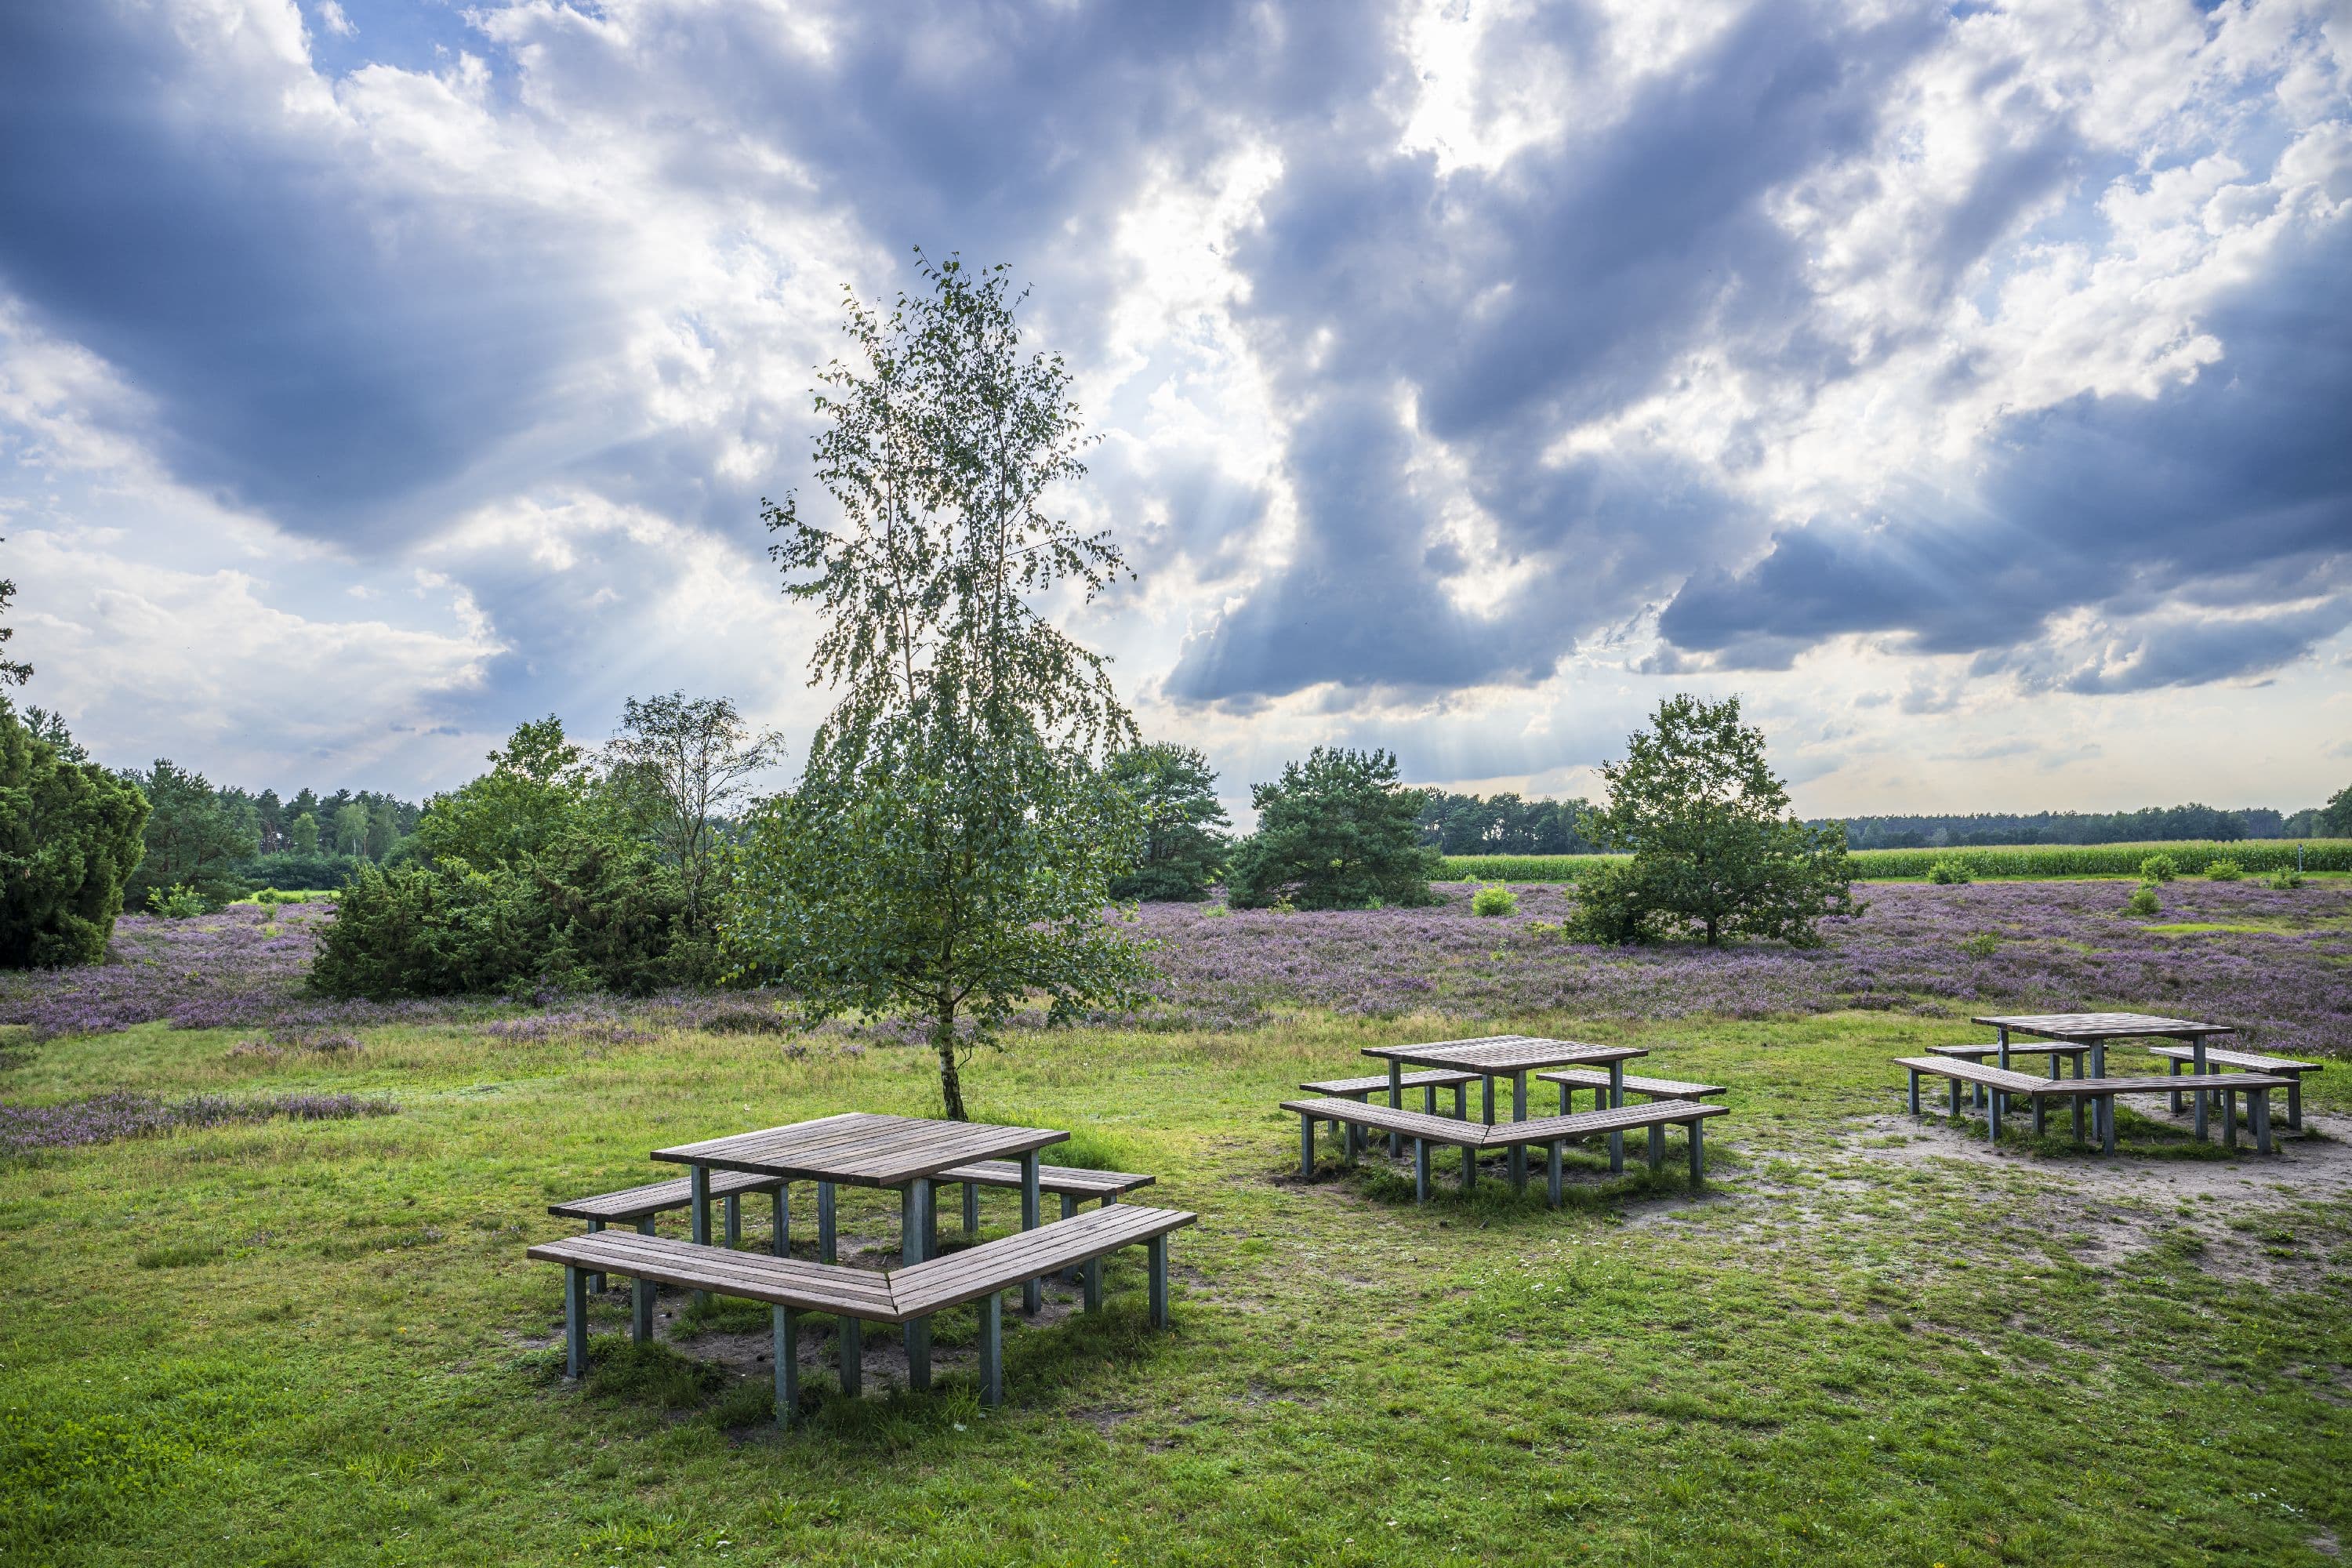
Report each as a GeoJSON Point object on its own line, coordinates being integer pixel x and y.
{"type": "Point", "coordinates": [2157, 824]}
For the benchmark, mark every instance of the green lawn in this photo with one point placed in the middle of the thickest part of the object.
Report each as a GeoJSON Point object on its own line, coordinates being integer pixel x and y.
{"type": "Point", "coordinates": [1869, 1342]}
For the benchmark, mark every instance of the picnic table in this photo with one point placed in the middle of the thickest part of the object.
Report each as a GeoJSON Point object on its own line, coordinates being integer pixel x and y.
{"type": "Point", "coordinates": [2095, 1029]}
{"type": "Point", "coordinates": [1506, 1056]}
{"type": "Point", "coordinates": [862, 1149]}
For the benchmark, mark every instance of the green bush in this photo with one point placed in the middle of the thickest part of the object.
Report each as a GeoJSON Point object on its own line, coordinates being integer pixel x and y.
{"type": "Point", "coordinates": [71, 834]}
{"type": "Point", "coordinates": [2286, 878]}
{"type": "Point", "coordinates": [1496, 899]}
{"type": "Point", "coordinates": [1335, 832]}
{"type": "Point", "coordinates": [2158, 869]}
{"type": "Point", "coordinates": [1948, 872]}
{"type": "Point", "coordinates": [1984, 944]}
{"type": "Point", "coordinates": [2143, 902]}
{"type": "Point", "coordinates": [179, 903]}
{"type": "Point", "coordinates": [2223, 871]}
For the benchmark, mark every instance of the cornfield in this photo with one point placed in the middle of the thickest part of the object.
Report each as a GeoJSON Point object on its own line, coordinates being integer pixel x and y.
{"type": "Point", "coordinates": [2253, 856]}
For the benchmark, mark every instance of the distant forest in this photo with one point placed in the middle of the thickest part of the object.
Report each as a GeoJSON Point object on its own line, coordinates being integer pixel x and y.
{"type": "Point", "coordinates": [1510, 824]}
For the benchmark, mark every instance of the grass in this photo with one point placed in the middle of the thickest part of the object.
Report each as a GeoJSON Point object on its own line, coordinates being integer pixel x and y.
{"type": "Point", "coordinates": [2036, 861]}
{"type": "Point", "coordinates": [307, 1342]}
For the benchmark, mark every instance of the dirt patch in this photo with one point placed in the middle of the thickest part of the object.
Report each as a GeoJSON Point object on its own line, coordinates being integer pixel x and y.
{"type": "Point", "coordinates": [2110, 1209]}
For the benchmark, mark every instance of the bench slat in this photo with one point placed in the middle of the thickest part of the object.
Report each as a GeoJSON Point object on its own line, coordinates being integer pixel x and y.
{"type": "Point", "coordinates": [1657, 1088]}
{"type": "Point", "coordinates": [2252, 1059]}
{"type": "Point", "coordinates": [1070, 1179]}
{"type": "Point", "coordinates": [1434, 1078]}
{"type": "Point", "coordinates": [2068, 1088]}
{"type": "Point", "coordinates": [1411, 1123]}
{"type": "Point", "coordinates": [659, 1197]}
{"type": "Point", "coordinates": [2016, 1048]}
{"type": "Point", "coordinates": [1974, 1072]}
{"type": "Point", "coordinates": [1584, 1123]}
{"type": "Point", "coordinates": [936, 1284]}
{"type": "Point", "coordinates": [780, 1282]}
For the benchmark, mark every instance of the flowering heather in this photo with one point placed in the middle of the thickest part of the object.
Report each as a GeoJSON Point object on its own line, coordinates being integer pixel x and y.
{"type": "Point", "coordinates": [103, 1118]}
{"type": "Point", "coordinates": [2280, 969]}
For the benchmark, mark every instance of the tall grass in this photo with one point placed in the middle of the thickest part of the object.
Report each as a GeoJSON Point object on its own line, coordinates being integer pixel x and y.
{"type": "Point", "coordinates": [2253, 856]}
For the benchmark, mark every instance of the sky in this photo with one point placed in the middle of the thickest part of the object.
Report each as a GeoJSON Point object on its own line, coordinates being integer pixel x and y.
{"type": "Point", "coordinates": [1966, 386]}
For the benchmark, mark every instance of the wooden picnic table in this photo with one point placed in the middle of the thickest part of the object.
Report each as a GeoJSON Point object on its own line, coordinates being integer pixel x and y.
{"type": "Point", "coordinates": [1504, 1056]}
{"type": "Point", "coordinates": [2095, 1029]}
{"type": "Point", "coordinates": [862, 1149]}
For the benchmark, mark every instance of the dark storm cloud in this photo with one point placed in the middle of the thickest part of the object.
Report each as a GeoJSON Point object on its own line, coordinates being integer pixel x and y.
{"type": "Point", "coordinates": [1514, 303]}
{"type": "Point", "coordinates": [2234, 491]}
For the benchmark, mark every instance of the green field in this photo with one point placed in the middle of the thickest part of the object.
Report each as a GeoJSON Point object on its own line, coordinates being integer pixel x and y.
{"type": "Point", "coordinates": [2253, 856]}
{"type": "Point", "coordinates": [1868, 1343]}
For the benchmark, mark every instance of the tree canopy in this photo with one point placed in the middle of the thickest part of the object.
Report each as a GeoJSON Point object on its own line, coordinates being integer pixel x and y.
{"type": "Point", "coordinates": [692, 759]}
{"type": "Point", "coordinates": [1183, 848]}
{"type": "Point", "coordinates": [70, 837]}
{"type": "Point", "coordinates": [949, 849]}
{"type": "Point", "coordinates": [1715, 851]}
{"type": "Point", "coordinates": [1334, 832]}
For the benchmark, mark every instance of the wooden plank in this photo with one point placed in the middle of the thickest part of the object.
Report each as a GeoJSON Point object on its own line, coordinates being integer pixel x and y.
{"type": "Point", "coordinates": [927, 1287]}
{"type": "Point", "coordinates": [2252, 1059]}
{"type": "Point", "coordinates": [1617, 1118]}
{"type": "Point", "coordinates": [1433, 1078]}
{"type": "Point", "coordinates": [1505, 1054]}
{"type": "Point", "coordinates": [1971, 1072]}
{"type": "Point", "coordinates": [1659, 1088]}
{"type": "Point", "coordinates": [659, 1198]}
{"type": "Point", "coordinates": [812, 1287]}
{"type": "Point", "coordinates": [861, 1148]}
{"type": "Point", "coordinates": [1070, 1179]}
{"type": "Point", "coordinates": [2098, 1025]}
{"type": "Point", "coordinates": [1411, 1123]}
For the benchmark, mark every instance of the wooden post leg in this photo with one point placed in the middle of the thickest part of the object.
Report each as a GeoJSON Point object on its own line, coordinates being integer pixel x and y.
{"type": "Point", "coordinates": [2175, 1097]}
{"type": "Point", "coordinates": [1306, 1147]}
{"type": "Point", "coordinates": [1915, 1089]}
{"type": "Point", "coordinates": [2078, 1118]}
{"type": "Point", "coordinates": [575, 1322]}
{"type": "Point", "coordinates": [2258, 1112]}
{"type": "Point", "coordinates": [1157, 1248]}
{"type": "Point", "coordinates": [1396, 1102]}
{"type": "Point", "coordinates": [780, 1221]}
{"type": "Point", "coordinates": [1617, 1153]}
{"type": "Point", "coordinates": [2042, 1108]}
{"type": "Point", "coordinates": [1551, 1172]}
{"type": "Point", "coordinates": [2106, 1124]}
{"type": "Point", "coordinates": [2295, 1102]}
{"type": "Point", "coordinates": [1992, 1113]}
{"type": "Point", "coordinates": [2229, 1118]}
{"type": "Point", "coordinates": [1469, 1167]}
{"type": "Point", "coordinates": [826, 1237]}
{"type": "Point", "coordinates": [787, 1351]}
{"type": "Point", "coordinates": [1420, 1170]}
{"type": "Point", "coordinates": [912, 1240]}
{"type": "Point", "coordinates": [1656, 1145]}
{"type": "Point", "coordinates": [992, 1350]}
{"type": "Point", "coordinates": [1461, 1102]}
{"type": "Point", "coordinates": [1033, 1293]}
{"type": "Point", "coordinates": [1090, 1284]}
{"type": "Point", "coordinates": [698, 1190]}
{"type": "Point", "coordinates": [1697, 1159]}
{"type": "Point", "coordinates": [1566, 1100]}
{"type": "Point", "coordinates": [1429, 1100]}
{"type": "Point", "coordinates": [2203, 1101]}
{"type": "Point", "coordinates": [1616, 1086]}
{"type": "Point", "coordinates": [970, 1209]}
{"type": "Point", "coordinates": [1518, 1113]}
{"type": "Point", "coordinates": [851, 1338]}
{"type": "Point", "coordinates": [1069, 1209]}
{"type": "Point", "coordinates": [1956, 1099]}
{"type": "Point", "coordinates": [641, 1311]}
{"type": "Point", "coordinates": [595, 1281]}
{"type": "Point", "coordinates": [733, 1204]}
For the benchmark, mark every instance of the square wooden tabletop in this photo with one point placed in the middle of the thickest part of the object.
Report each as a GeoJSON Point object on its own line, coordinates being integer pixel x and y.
{"type": "Point", "coordinates": [2099, 1026]}
{"type": "Point", "coordinates": [861, 1149]}
{"type": "Point", "coordinates": [1501, 1055]}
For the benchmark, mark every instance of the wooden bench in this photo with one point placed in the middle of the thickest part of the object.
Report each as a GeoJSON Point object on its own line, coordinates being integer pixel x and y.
{"type": "Point", "coordinates": [1570, 1079]}
{"type": "Point", "coordinates": [1985, 1049]}
{"type": "Point", "coordinates": [2287, 1067]}
{"type": "Point", "coordinates": [1429, 1080]}
{"type": "Point", "coordinates": [2100, 1092]}
{"type": "Point", "coordinates": [854, 1296]}
{"type": "Point", "coordinates": [639, 1206]}
{"type": "Point", "coordinates": [1549, 1134]}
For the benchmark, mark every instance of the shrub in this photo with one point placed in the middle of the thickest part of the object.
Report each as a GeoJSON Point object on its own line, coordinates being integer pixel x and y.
{"type": "Point", "coordinates": [1335, 832]}
{"type": "Point", "coordinates": [178, 903]}
{"type": "Point", "coordinates": [1495, 900]}
{"type": "Point", "coordinates": [70, 835]}
{"type": "Point", "coordinates": [2158, 869]}
{"type": "Point", "coordinates": [2143, 903]}
{"type": "Point", "coordinates": [1716, 853]}
{"type": "Point", "coordinates": [1984, 944]}
{"type": "Point", "coordinates": [2223, 871]}
{"type": "Point", "coordinates": [1948, 872]}
{"type": "Point", "coordinates": [2286, 878]}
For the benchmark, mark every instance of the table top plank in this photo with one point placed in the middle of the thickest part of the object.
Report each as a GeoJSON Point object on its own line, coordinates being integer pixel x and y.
{"type": "Point", "coordinates": [2099, 1026]}
{"type": "Point", "coordinates": [861, 1148]}
{"type": "Point", "coordinates": [1503, 1055]}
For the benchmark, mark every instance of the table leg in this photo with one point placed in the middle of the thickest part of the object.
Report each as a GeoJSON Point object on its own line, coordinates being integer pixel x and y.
{"type": "Point", "coordinates": [2106, 1124]}
{"type": "Point", "coordinates": [991, 1351]}
{"type": "Point", "coordinates": [1306, 1147]}
{"type": "Point", "coordinates": [2258, 1109]}
{"type": "Point", "coordinates": [1566, 1100]}
{"type": "Point", "coordinates": [1429, 1100]}
{"type": "Point", "coordinates": [575, 1322]}
{"type": "Point", "coordinates": [2294, 1102]}
{"type": "Point", "coordinates": [1956, 1099]}
{"type": "Point", "coordinates": [1156, 1252]}
{"type": "Point", "coordinates": [641, 1311]}
{"type": "Point", "coordinates": [780, 1223]}
{"type": "Point", "coordinates": [1033, 1294]}
{"type": "Point", "coordinates": [1461, 1102]}
{"type": "Point", "coordinates": [2174, 1064]}
{"type": "Point", "coordinates": [733, 1206]}
{"type": "Point", "coordinates": [2196, 1046]}
{"type": "Point", "coordinates": [1518, 1113]}
{"type": "Point", "coordinates": [787, 1350]}
{"type": "Point", "coordinates": [2230, 1119]}
{"type": "Point", "coordinates": [1616, 1086]}
{"type": "Point", "coordinates": [1698, 1156]}
{"type": "Point", "coordinates": [914, 1231]}
{"type": "Point", "coordinates": [1992, 1113]}
{"type": "Point", "coordinates": [595, 1281]}
{"type": "Point", "coordinates": [698, 1179]}
{"type": "Point", "coordinates": [2078, 1119]}
{"type": "Point", "coordinates": [970, 1210]}
{"type": "Point", "coordinates": [2042, 1108]}
{"type": "Point", "coordinates": [1469, 1167]}
{"type": "Point", "coordinates": [1069, 1210]}
{"type": "Point", "coordinates": [851, 1338]}
{"type": "Point", "coordinates": [1654, 1142]}
{"type": "Point", "coordinates": [1396, 1102]}
{"type": "Point", "coordinates": [1914, 1090]}
{"type": "Point", "coordinates": [1420, 1170]}
{"type": "Point", "coordinates": [827, 1250]}
{"type": "Point", "coordinates": [1551, 1170]}
{"type": "Point", "coordinates": [1617, 1153]}
{"type": "Point", "coordinates": [1486, 1099]}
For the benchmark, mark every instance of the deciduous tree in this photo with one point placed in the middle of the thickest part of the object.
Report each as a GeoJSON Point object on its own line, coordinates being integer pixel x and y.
{"type": "Point", "coordinates": [695, 758]}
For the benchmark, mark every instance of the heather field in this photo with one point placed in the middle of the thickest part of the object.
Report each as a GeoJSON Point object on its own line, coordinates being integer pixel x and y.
{"type": "Point", "coordinates": [269, 1303]}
